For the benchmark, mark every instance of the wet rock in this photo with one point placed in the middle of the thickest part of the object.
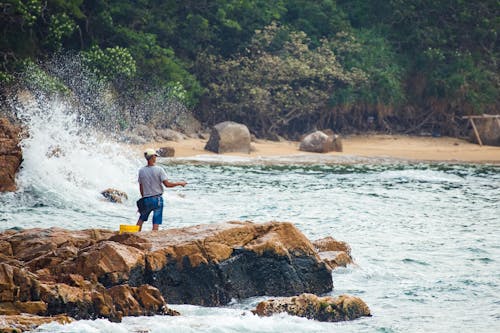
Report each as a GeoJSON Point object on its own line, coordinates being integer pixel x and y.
{"type": "Point", "coordinates": [321, 142]}
{"type": "Point", "coordinates": [10, 155]}
{"type": "Point", "coordinates": [114, 195]}
{"type": "Point", "coordinates": [211, 264]}
{"type": "Point", "coordinates": [331, 244]}
{"type": "Point", "coordinates": [227, 137]}
{"type": "Point", "coordinates": [336, 259]}
{"type": "Point", "coordinates": [330, 309]}
{"type": "Point", "coordinates": [96, 273]}
{"type": "Point", "coordinates": [333, 252]}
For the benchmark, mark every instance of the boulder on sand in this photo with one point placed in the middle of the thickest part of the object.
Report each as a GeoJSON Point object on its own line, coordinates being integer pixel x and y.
{"type": "Point", "coordinates": [330, 309]}
{"type": "Point", "coordinates": [166, 151]}
{"type": "Point", "coordinates": [321, 142]}
{"type": "Point", "coordinates": [10, 155]}
{"type": "Point", "coordinates": [228, 137]}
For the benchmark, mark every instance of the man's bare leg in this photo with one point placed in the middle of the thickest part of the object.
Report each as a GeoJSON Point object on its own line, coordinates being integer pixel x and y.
{"type": "Point", "coordinates": [155, 227]}
{"type": "Point", "coordinates": [139, 223]}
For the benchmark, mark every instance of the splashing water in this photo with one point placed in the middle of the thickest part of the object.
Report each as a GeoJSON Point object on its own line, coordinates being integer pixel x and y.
{"type": "Point", "coordinates": [67, 163]}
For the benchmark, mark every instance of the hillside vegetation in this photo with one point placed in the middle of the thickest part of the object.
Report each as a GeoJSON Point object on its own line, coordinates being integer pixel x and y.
{"type": "Point", "coordinates": [282, 67]}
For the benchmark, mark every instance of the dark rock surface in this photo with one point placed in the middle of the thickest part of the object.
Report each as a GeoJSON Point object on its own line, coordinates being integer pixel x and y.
{"type": "Point", "coordinates": [55, 271]}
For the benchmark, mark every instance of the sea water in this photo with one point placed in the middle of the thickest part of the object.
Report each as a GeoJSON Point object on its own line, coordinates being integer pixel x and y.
{"type": "Point", "coordinates": [424, 237]}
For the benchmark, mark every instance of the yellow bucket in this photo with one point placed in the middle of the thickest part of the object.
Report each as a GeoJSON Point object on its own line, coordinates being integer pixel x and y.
{"type": "Point", "coordinates": [128, 228]}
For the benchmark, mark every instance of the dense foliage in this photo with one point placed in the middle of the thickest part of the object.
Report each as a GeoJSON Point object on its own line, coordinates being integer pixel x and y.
{"type": "Point", "coordinates": [282, 67]}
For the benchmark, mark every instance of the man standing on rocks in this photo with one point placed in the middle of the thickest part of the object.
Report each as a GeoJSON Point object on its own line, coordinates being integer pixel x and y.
{"type": "Point", "coordinates": [151, 181]}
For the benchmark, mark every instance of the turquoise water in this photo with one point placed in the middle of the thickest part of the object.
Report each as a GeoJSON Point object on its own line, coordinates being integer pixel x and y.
{"type": "Point", "coordinates": [424, 236]}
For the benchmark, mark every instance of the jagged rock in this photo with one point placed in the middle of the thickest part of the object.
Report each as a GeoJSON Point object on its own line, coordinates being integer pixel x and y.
{"type": "Point", "coordinates": [321, 142]}
{"type": "Point", "coordinates": [211, 264]}
{"type": "Point", "coordinates": [166, 151]}
{"type": "Point", "coordinates": [70, 270]}
{"type": "Point", "coordinates": [330, 309]}
{"type": "Point", "coordinates": [335, 259]}
{"type": "Point", "coordinates": [331, 244]}
{"type": "Point", "coordinates": [334, 253]}
{"type": "Point", "coordinates": [170, 135]}
{"type": "Point", "coordinates": [114, 195]}
{"type": "Point", "coordinates": [227, 137]}
{"type": "Point", "coordinates": [28, 322]}
{"type": "Point", "coordinates": [112, 263]}
{"type": "Point", "coordinates": [10, 155]}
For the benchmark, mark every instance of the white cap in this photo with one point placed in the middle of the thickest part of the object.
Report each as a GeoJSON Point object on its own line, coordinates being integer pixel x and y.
{"type": "Point", "coordinates": [150, 152]}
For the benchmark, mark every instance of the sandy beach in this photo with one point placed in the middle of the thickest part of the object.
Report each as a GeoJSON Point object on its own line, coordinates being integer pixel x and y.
{"type": "Point", "coordinates": [443, 149]}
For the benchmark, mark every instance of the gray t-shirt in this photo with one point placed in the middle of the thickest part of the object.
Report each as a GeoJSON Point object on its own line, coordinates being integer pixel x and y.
{"type": "Point", "coordinates": [151, 178]}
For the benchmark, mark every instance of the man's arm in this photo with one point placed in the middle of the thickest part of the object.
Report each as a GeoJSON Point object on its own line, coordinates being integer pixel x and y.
{"type": "Point", "coordinates": [141, 190]}
{"type": "Point", "coordinates": [169, 184]}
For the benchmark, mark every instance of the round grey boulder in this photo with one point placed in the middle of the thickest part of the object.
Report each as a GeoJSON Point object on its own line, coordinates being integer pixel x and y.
{"type": "Point", "coordinates": [227, 137]}
{"type": "Point", "coordinates": [321, 142]}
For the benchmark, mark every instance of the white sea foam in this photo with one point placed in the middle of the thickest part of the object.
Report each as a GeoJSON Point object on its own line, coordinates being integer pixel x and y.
{"type": "Point", "coordinates": [64, 155]}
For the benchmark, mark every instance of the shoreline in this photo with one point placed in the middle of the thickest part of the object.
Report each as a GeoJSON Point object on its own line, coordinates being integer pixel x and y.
{"type": "Point", "coordinates": [373, 148]}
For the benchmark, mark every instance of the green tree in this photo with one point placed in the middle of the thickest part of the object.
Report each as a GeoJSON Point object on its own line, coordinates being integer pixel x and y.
{"type": "Point", "coordinates": [279, 85]}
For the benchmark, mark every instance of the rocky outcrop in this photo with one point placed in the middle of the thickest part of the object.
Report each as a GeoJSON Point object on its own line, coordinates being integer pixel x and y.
{"type": "Point", "coordinates": [228, 137]}
{"type": "Point", "coordinates": [100, 273]}
{"type": "Point", "coordinates": [81, 274]}
{"type": "Point", "coordinates": [330, 309]}
{"type": "Point", "coordinates": [321, 142]}
{"type": "Point", "coordinates": [211, 264]}
{"type": "Point", "coordinates": [114, 195]}
{"type": "Point", "coordinates": [333, 252]}
{"type": "Point", "coordinates": [10, 155]}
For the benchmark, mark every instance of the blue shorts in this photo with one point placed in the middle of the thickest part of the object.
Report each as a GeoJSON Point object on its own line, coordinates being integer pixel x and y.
{"type": "Point", "coordinates": [155, 205]}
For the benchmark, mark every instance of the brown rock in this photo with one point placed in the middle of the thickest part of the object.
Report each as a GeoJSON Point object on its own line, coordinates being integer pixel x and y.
{"type": "Point", "coordinates": [333, 252]}
{"type": "Point", "coordinates": [28, 322]}
{"type": "Point", "coordinates": [16, 308]}
{"type": "Point", "coordinates": [10, 155]}
{"type": "Point", "coordinates": [17, 284]}
{"type": "Point", "coordinates": [331, 244]}
{"type": "Point", "coordinates": [144, 300]}
{"type": "Point", "coordinates": [330, 309]}
{"type": "Point", "coordinates": [69, 270]}
{"type": "Point", "coordinates": [336, 258]}
{"type": "Point", "coordinates": [111, 262]}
